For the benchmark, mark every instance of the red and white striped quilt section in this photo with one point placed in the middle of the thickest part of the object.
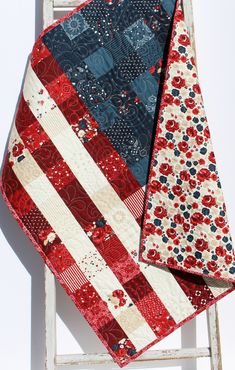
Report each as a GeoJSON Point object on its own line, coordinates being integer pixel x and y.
{"type": "Point", "coordinates": [91, 246]}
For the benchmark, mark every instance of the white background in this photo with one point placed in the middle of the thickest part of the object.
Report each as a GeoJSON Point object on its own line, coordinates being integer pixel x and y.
{"type": "Point", "coordinates": [21, 273]}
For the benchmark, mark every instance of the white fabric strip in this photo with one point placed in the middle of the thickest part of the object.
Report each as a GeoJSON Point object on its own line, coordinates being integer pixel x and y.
{"type": "Point", "coordinates": [217, 287]}
{"type": "Point", "coordinates": [78, 243]}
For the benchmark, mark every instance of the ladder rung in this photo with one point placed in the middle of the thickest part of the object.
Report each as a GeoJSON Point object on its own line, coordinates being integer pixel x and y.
{"type": "Point", "coordinates": [63, 9]}
{"type": "Point", "coordinates": [67, 3]}
{"type": "Point", "coordinates": [105, 358]}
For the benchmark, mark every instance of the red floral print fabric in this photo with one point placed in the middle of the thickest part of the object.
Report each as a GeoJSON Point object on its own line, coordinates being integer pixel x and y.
{"type": "Point", "coordinates": [185, 220]}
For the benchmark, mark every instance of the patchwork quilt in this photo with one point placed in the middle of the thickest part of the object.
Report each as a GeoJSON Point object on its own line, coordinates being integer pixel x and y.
{"type": "Point", "coordinates": [110, 172]}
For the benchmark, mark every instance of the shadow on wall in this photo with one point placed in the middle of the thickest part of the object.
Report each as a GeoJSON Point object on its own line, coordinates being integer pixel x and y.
{"type": "Point", "coordinates": [66, 309]}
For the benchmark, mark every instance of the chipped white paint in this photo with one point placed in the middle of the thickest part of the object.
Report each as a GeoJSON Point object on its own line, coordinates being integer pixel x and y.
{"type": "Point", "coordinates": [50, 319]}
{"type": "Point", "coordinates": [143, 360]}
{"type": "Point", "coordinates": [214, 338]}
{"type": "Point", "coordinates": [48, 12]}
{"type": "Point", "coordinates": [54, 361]}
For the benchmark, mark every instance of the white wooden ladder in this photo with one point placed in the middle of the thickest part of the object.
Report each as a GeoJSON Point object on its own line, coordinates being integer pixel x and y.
{"type": "Point", "coordinates": [53, 361]}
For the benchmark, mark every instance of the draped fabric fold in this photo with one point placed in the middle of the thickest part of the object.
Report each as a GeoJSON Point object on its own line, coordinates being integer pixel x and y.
{"type": "Point", "coordinates": [110, 172]}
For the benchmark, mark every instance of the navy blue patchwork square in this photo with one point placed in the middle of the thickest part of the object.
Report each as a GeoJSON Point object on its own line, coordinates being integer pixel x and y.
{"type": "Point", "coordinates": [140, 169]}
{"type": "Point", "coordinates": [87, 86]}
{"type": "Point", "coordinates": [146, 89]}
{"type": "Point", "coordinates": [130, 67]}
{"type": "Point", "coordinates": [138, 34]}
{"type": "Point", "coordinates": [168, 5]}
{"type": "Point", "coordinates": [100, 62]}
{"type": "Point", "coordinates": [119, 47]}
{"type": "Point", "coordinates": [150, 52]}
{"type": "Point", "coordinates": [106, 114]}
{"type": "Point", "coordinates": [69, 53]}
{"type": "Point", "coordinates": [74, 25]}
{"type": "Point", "coordinates": [129, 144]}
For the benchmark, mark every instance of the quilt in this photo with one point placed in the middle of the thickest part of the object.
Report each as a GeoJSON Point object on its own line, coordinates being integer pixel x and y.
{"type": "Point", "coordinates": [110, 172]}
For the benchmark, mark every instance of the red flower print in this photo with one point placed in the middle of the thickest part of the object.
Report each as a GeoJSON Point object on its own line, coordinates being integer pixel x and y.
{"type": "Point", "coordinates": [212, 157]}
{"type": "Point", "coordinates": [208, 201]}
{"type": "Point", "coordinates": [88, 227]}
{"type": "Point", "coordinates": [118, 298]}
{"type": "Point", "coordinates": [212, 266]}
{"type": "Point", "coordinates": [44, 233]}
{"type": "Point", "coordinates": [93, 123]}
{"type": "Point", "coordinates": [179, 219]}
{"type": "Point", "coordinates": [174, 56]}
{"type": "Point", "coordinates": [172, 125]}
{"type": "Point", "coordinates": [129, 344]}
{"type": "Point", "coordinates": [17, 149]}
{"type": "Point", "coordinates": [190, 103]}
{"type": "Point", "coordinates": [190, 131]}
{"type": "Point", "coordinates": [177, 190]}
{"type": "Point", "coordinates": [196, 218]}
{"type": "Point", "coordinates": [89, 134]}
{"type": "Point", "coordinates": [168, 99]}
{"type": "Point", "coordinates": [201, 245]}
{"type": "Point", "coordinates": [150, 229]}
{"type": "Point", "coordinates": [213, 177]}
{"type": "Point", "coordinates": [207, 132]}
{"type": "Point", "coordinates": [220, 251]}
{"type": "Point", "coordinates": [165, 169]}
{"type": "Point", "coordinates": [186, 227]}
{"type": "Point", "coordinates": [160, 212]}
{"type": "Point", "coordinates": [192, 183]}
{"type": "Point", "coordinates": [199, 139]}
{"type": "Point", "coordinates": [184, 40]}
{"type": "Point", "coordinates": [190, 261]}
{"type": "Point", "coordinates": [203, 174]}
{"type": "Point", "coordinates": [98, 235]}
{"type": "Point", "coordinates": [171, 233]}
{"type": "Point", "coordinates": [121, 352]}
{"type": "Point", "coordinates": [220, 221]}
{"type": "Point", "coordinates": [179, 15]}
{"type": "Point", "coordinates": [153, 255]}
{"type": "Point", "coordinates": [171, 261]}
{"type": "Point", "coordinates": [225, 230]}
{"type": "Point", "coordinates": [228, 259]}
{"type": "Point", "coordinates": [108, 229]}
{"type": "Point", "coordinates": [161, 143]}
{"type": "Point", "coordinates": [197, 89]}
{"type": "Point", "coordinates": [118, 293]}
{"type": "Point", "coordinates": [184, 175]}
{"type": "Point", "coordinates": [155, 186]}
{"type": "Point", "coordinates": [178, 82]}
{"type": "Point", "coordinates": [199, 264]}
{"type": "Point", "coordinates": [183, 146]}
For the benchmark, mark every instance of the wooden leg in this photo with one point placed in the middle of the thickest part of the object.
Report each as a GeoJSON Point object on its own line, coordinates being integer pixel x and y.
{"type": "Point", "coordinates": [50, 319]}
{"type": "Point", "coordinates": [214, 337]}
